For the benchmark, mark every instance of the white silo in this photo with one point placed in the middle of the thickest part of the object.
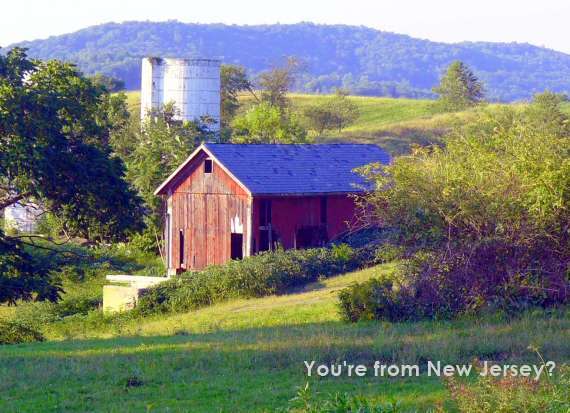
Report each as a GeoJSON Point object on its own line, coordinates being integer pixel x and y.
{"type": "Point", "coordinates": [193, 85]}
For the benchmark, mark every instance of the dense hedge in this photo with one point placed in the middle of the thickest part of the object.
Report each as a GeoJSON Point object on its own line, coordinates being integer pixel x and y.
{"type": "Point", "coordinates": [12, 332]}
{"type": "Point", "coordinates": [257, 276]}
{"type": "Point", "coordinates": [482, 222]}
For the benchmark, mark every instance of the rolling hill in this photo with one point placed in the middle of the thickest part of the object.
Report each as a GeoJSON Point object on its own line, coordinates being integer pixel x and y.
{"type": "Point", "coordinates": [364, 60]}
{"type": "Point", "coordinates": [394, 124]}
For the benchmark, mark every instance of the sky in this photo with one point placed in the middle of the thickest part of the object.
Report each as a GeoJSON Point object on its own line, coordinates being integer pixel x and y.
{"type": "Point", "coordinates": [542, 23]}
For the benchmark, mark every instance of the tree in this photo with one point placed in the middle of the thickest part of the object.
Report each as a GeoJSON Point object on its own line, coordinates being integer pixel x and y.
{"type": "Point", "coordinates": [155, 150]}
{"type": "Point", "coordinates": [335, 113]}
{"type": "Point", "coordinates": [110, 84]}
{"type": "Point", "coordinates": [545, 112]}
{"type": "Point", "coordinates": [234, 80]}
{"type": "Point", "coordinates": [276, 83]}
{"type": "Point", "coordinates": [459, 88]}
{"type": "Point", "coordinates": [264, 123]}
{"type": "Point", "coordinates": [319, 117]}
{"type": "Point", "coordinates": [55, 126]}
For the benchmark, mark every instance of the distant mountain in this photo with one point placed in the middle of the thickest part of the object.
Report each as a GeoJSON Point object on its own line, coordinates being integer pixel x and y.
{"type": "Point", "coordinates": [367, 61]}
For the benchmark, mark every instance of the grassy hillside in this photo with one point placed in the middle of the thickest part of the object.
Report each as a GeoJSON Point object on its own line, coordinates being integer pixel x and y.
{"type": "Point", "coordinates": [247, 355]}
{"type": "Point", "coordinates": [394, 124]}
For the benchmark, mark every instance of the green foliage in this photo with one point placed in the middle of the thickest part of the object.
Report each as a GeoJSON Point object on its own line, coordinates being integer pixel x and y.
{"type": "Point", "coordinates": [110, 84]}
{"type": "Point", "coordinates": [484, 219]}
{"type": "Point", "coordinates": [389, 252]}
{"type": "Point", "coordinates": [257, 276]}
{"type": "Point", "coordinates": [366, 61]}
{"type": "Point", "coordinates": [22, 277]}
{"type": "Point", "coordinates": [306, 402]}
{"type": "Point", "coordinates": [375, 299]}
{"type": "Point", "coordinates": [153, 152]}
{"type": "Point", "coordinates": [545, 113]}
{"type": "Point", "coordinates": [336, 113]}
{"type": "Point", "coordinates": [56, 151]}
{"type": "Point", "coordinates": [77, 305]}
{"type": "Point", "coordinates": [459, 88]}
{"type": "Point", "coordinates": [55, 128]}
{"type": "Point", "coordinates": [234, 80]}
{"type": "Point", "coordinates": [277, 82]}
{"type": "Point", "coordinates": [16, 333]}
{"type": "Point", "coordinates": [264, 123]}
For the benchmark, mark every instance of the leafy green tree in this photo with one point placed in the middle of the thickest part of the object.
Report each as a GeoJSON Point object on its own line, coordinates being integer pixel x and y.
{"type": "Point", "coordinates": [155, 151]}
{"type": "Point", "coordinates": [319, 117]}
{"type": "Point", "coordinates": [54, 132]}
{"type": "Point", "coordinates": [234, 80]}
{"type": "Point", "coordinates": [336, 113]}
{"type": "Point", "coordinates": [110, 83]}
{"type": "Point", "coordinates": [459, 88]}
{"type": "Point", "coordinates": [264, 123]}
{"type": "Point", "coordinates": [276, 83]}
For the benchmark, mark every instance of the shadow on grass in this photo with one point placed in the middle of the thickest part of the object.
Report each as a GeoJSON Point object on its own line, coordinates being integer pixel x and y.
{"type": "Point", "coordinates": [259, 369]}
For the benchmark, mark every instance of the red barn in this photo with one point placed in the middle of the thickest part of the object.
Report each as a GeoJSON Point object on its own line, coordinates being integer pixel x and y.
{"type": "Point", "coordinates": [230, 201]}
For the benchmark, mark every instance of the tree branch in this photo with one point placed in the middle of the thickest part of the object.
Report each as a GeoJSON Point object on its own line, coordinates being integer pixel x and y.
{"type": "Point", "coordinates": [13, 200]}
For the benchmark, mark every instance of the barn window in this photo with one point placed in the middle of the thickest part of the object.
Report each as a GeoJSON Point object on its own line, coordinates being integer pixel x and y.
{"type": "Point", "coordinates": [324, 210]}
{"type": "Point", "coordinates": [181, 246]}
{"type": "Point", "coordinates": [208, 166]}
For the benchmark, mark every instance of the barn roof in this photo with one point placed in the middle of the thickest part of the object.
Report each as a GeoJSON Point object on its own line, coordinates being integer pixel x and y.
{"type": "Point", "coordinates": [293, 169]}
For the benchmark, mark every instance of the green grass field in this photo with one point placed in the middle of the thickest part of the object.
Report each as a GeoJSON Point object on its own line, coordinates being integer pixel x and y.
{"type": "Point", "coordinates": [395, 124]}
{"type": "Point", "coordinates": [247, 355]}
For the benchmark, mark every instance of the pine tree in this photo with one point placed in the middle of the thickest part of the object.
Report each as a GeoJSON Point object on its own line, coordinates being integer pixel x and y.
{"type": "Point", "coordinates": [459, 88]}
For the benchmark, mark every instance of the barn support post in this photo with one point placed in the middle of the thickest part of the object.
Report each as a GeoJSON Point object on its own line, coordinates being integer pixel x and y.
{"type": "Point", "coordinates": [248, 251]}
{"type": "Point", "coordinates": [170, 267]}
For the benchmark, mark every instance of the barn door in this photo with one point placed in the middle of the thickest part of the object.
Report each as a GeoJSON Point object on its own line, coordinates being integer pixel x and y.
{"type": "Point", "coordinates": [237, 246]}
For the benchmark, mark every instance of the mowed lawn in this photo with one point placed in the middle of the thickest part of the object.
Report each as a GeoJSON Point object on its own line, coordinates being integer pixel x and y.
{"type": "Point", "coordinates": [247, 355]}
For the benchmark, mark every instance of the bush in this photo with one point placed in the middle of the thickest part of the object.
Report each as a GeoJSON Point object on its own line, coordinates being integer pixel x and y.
{"type": "Point", "coordinates": [388, 253]}
{"type": "Point", "coordinates": [12, 332]}
{"type": "Point", "coordinates": [484, 219]}
{"type": "Point", "coordinates": [264, 274]}
{"type": "Point", "coordinates": [376, 299]}
{"type": "Point", "coordinates": [435, 284]}
{"type": "Point", "coordinates": [76, 305]}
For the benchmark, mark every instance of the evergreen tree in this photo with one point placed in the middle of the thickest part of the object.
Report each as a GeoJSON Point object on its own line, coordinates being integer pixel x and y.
{"type": "Point", "coordinates": [459, 88]}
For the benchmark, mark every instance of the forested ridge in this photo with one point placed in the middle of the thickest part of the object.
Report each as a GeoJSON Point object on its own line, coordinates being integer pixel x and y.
{"type": "Point", "coordinates": [363, 60]}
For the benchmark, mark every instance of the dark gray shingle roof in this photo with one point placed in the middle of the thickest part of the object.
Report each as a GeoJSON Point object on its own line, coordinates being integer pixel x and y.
{"type": "Point", "coordinates": [298, 169]}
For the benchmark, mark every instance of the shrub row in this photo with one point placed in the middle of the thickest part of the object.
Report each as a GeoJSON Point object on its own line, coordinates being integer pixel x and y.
{"type": "Point", "coordinates": [265, 274]}
{"type": "Point", "coordinates": [486, 277]}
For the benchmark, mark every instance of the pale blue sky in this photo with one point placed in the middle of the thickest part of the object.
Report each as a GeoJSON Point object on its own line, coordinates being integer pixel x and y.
{"type": "Point", "coordinates": [543, 23]}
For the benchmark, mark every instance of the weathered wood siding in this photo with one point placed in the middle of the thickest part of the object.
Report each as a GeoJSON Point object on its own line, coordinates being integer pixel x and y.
{"type": "Point", "coordinates": [289, 213]}
{"type": "Point", "coordinates": [203, 207]}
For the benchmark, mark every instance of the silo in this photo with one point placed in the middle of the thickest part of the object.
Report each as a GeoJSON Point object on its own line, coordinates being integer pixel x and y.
{"type": "Point", "coordinates": [193, 85]}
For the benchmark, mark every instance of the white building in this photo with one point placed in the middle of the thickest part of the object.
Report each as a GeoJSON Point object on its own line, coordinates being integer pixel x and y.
{"type": "Point", "coordinates": [193, 85]}
{"type": "Point", "coordinates": [22, 218]}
